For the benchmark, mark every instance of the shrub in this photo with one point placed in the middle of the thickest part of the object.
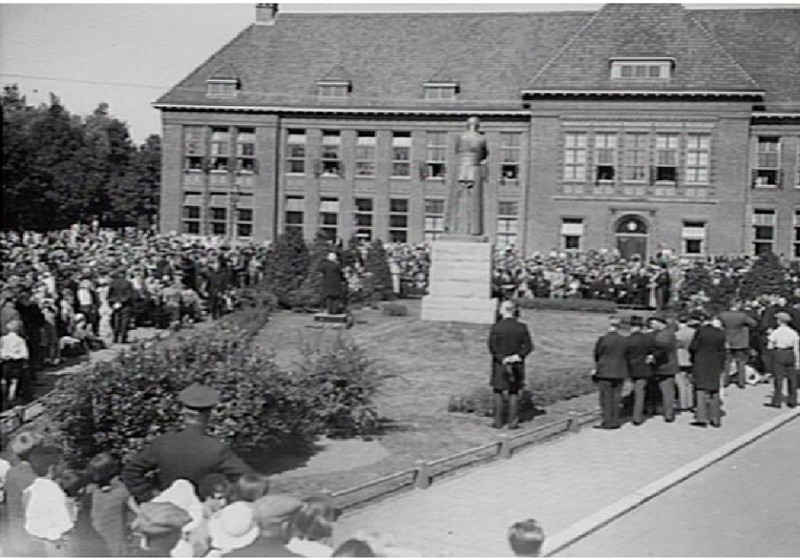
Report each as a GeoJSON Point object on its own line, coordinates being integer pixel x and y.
{"type": "Point", "coordinates": [308, 296]}
{"type": "Point", "coordinates": [380, 277]}
{"type": "Point", "coordinates": [394, 310]}
{"type": "Point", "coordinates": [586, 305]}
{"type": "Point", "coordinates": [700, 290]}
{"type": "Point", "coordinates": [766, 277]}
{"type": "Point", "coordinates": [288, 266]}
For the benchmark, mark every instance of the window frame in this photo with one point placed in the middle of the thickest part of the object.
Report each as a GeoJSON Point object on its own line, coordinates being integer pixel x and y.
{"type": "Point", "coordinates": [289, 210]}
{"type": "Point", "coordinates": [605, 149]}
{"type": "Point", "coordinates": [398, 139]}
{"type": "Point", "coordinates": [698, 151]}
{"type": "Point", "coordinates": [398, 234]}
{"type": "Point", "coordinates": [434, 218]}
{"type": "Point", "coordinates": [568, 235]}
{"type": "Point", "coordinates": [668, 151]}
{"type": "Point", "coordinates": [507, 229]}
{"type": "Point", "coordinates": [329, 228]}
{"type": "Point", "coordinates": [510, 157]}
{"type": "Point", "coordinates": [333, 90]}
{"type": "Point", "coordinates": [359, 213]}
{"type": "Point", "coordinates": [214, 220]}
{"type": "Point", "coordinates": [634, 163]}
{"type": "Point", "coordinates": [766, 171]}
{"type": "Point", "coordinates": [440, 91]}
{"type": "Point", "coordinates": [767, 223]}
{"type": "Point", "coordinates": [575, 151]}
{"type": "Point", "coordinates": [689, 235]}
{"type": "Point", "coordinates": [436, 144]}
{"type": "Point", "coordinates": [365, 154]}
{"type": "Point", "coordinates": [293, 136]}
{"type": "Point", "coordinates": [328, 163]}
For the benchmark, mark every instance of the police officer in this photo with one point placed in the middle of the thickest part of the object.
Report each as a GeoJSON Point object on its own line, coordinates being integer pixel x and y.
{"type": "Point", "coordinates": [188, 454]}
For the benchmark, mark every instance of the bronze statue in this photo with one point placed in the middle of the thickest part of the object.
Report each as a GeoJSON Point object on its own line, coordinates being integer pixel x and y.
{"type": "Point", "coordinates": [465, 208]}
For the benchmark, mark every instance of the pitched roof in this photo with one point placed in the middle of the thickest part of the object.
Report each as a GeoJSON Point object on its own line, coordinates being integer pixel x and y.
{"type": "Point", "coordinates": [494, 56]}
{"type": "Point", "coordinates": [643, 30]}
{"type": "Point", "coordinates": [388, 58]}
{"type": "Point", "coordinates": [766, 42]}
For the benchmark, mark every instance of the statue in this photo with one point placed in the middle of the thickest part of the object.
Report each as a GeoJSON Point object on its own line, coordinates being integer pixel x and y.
{"type": "Point", "coordinates": [465, 208]}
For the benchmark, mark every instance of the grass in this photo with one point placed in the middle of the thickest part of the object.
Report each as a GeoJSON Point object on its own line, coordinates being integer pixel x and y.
{"type": "Point", "coordinates": [432, 362]}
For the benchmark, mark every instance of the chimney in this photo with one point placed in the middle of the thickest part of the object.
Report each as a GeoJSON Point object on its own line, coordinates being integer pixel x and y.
{"type": "Point", "coordinates": [266, 14]}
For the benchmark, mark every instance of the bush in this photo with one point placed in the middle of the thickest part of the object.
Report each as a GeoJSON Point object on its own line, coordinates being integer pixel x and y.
{"type": "Point", "coordinates": [586, 305]}
{"type": "Point", "coordinates": [766, 277]}
{"type": "Point", "coordinates": [394, 310]}
{"type": "Point", "coordinates": [121, 405]}
{"type": "Point", "coordinates": [701, 291]}
{"type": "Point", "coordinates": [380, 277]}
{"type": "Point", "coordinates": [288, 266]}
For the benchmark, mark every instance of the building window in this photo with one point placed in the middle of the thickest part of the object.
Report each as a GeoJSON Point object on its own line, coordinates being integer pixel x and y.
{"type": "Point", "coordinates": [222, 87]}
{"type": "Point", "coordinates": [796, 240]}
{"type": "Point", "coordinates": [365, 154]}
{"type": "Point", "coordinates": [220, 148]}
{"type": "Point", "coordinates": [244, 222]}
{"type": "Point", "coordinates": [246, 150]}
{"type": "Point", "coordinates": [333, 90]}
{"type": "Point", "coordinates": [641, 69]}
{"type": "Point", "coordinates": [571, 233]}
{"type": "Point", "coordinates": [763, 230]}
{"type": "Point", "coordinates": [435, 155]}
{"type": "Point", "coordinates": [440, 92]}
{"type": "Point", "coordinates": [398, 220]}
{"type": "Point", "coordinates": [507, 223]}
{"type": "Point", "coordinates": [401, 154]}
{"type": "Point", "coordinates": [767, 172]}
{"type": "Point", "coordinates": [666, 157]}
{"type": "Point", "coordinates": [636, 156]}
{"type": "Point", "coordinates": [329, 217]}
{"type": "Point", "coordinates": [296, 151]}
{"type": "Point", "coordinates": [510, 150]}
{"type": "Point", "coordinates": [191, 220]}
{"type": "Point", "coordinates": [605, 149]}
{"type": "Point", "coordinates": [194, 148]}
{"type": "Point", "coordinates": [693, 236]}
{"type": "Point", "coordinates": [434, 218]}
{"type": "Point", "coordinates": [362, 218]}
{"type": "Point", "coordinates": [575, 156]}
{"type": "Point", "coordinates": [219, 221]}
{"type": "Point", "coordinates": [294, 214]}
{"type": "Point", "coordinates": [331, 164]}
{"type": "Point", "coordinates": [698, 149]}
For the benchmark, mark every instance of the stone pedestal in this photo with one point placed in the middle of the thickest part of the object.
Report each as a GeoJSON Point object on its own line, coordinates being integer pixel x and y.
{"type": "Point", "coordinates": [460, 282]}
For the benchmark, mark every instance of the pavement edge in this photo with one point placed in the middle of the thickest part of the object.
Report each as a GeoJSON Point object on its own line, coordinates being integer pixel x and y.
{"type": "Point", "coordinates": [589, 524]}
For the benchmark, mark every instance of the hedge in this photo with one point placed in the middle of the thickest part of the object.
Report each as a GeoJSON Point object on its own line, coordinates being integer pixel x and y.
{"type": "Point", "coordinates": [585, 305]}
{"type": "Point", "coordinates": [121, 405]}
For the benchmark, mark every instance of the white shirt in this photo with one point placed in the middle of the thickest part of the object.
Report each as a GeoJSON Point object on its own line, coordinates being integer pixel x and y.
{"type": "Point", "coordinates": [783, 337]}
{"type": "Point", "coordinates": [13, 347]}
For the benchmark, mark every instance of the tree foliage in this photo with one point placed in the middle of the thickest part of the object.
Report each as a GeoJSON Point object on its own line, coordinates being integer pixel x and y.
{"type": "Point", "coordinates": [380, 277]}
{"type": "Point", "coordinates": [766, 277]}
{"type": "Point", "coordinates": [288, 266]}
{"type": "Point", "coordinates": [83, 167]}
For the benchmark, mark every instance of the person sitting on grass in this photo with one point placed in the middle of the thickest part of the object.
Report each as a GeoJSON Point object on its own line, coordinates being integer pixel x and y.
{"type": "Point", "coordinates": [526, 538]}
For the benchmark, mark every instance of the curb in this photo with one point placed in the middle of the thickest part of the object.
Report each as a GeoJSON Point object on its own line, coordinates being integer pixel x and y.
{"type": "Point", "coordinates": [590, 524]}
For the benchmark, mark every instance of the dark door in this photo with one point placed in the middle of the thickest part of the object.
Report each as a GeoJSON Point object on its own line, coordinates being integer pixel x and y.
{"type": "Point", "coordinates": [630, 245]}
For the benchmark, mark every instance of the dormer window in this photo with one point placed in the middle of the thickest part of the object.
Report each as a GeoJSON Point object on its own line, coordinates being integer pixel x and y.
{"type": "Point", "coordinates": [333, 89]}
{"type": "Point", "coordinates": [222, 87]}
{"type": "Point", "coordinates": [441, 91]}
{"type": "Point", "coordinates": [642, 68]}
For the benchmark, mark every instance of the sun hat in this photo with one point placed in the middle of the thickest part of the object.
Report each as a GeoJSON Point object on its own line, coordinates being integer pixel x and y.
{"type": "Point", "coordinates": [158, 518]}
{"type": "Point", "coordinates": [273, 510]}
{"type": "Point", "coordinates": [233, 527]}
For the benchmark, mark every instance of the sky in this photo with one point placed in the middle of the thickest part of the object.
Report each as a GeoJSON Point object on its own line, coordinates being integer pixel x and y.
{"type": "Point", "coordinates": [128, 55]}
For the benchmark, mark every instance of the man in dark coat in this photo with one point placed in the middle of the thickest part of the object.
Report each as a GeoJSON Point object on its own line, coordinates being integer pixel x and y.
{"type": "Point", "coordinates": [611, 370]}
{"type": "Point", "coordinates": [708, 358]}
{"type": "Point", "coordinates": [188, 453]}
{"type": "Point", "coordinates": [217, 282]}
{"type": "Point", "coordinates": [666, 364]}
{"type": "Point", "coordinates": [737, 325]}
{"type": "Point", "coordinates": [509, 343]}
{"type": "Point", "coordinates": [663, 284]}
{"type": "Point", "coordinates": [333, 283]}
{"type": "Point", "coordinates": [640, 354]}
{"type": "Point", "coordinates": [120, 297]}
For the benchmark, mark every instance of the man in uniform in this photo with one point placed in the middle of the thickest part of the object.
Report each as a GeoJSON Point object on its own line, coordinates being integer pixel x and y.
{"type": "Point", "coordinates": [509, 343]}
{"type": "Point", "coordinates": [184, 454]}
{"type": "Point", "coordinates": [611, 370]}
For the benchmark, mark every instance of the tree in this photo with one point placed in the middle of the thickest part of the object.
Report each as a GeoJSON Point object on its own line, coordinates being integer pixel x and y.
{"type": "Point", "coordinates": [766, 277]}
{"type": "Point", "coordinates": [288, 266]}
{"type": "Point", "coordinates": [380, 277]}
{"type": "Point", "coordinates": [135, 200]}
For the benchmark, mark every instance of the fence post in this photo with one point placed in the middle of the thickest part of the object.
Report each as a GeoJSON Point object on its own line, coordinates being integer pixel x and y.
{"type": "Point", "coordinates": [423, 477]}
{"type": "Point", "coordinates": [505, 446]}
{"type": "Point", "coordinates": [573, 425]}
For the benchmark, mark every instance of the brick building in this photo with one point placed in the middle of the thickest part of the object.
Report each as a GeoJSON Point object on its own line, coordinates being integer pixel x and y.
{"type": "Point", "coordinates": [635, 126]}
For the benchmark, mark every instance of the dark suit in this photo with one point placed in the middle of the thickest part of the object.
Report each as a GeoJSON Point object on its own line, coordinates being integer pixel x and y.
{"type": "Point", "coordinates": [708, 359]}
{"type": "Point", "coordinates": [506, 338]}
{"type": "Point", "coordinates": [666, 367]}
{"type": "Point", "coordinates": [639, 346]}
{"type": "Point", "coordinates": [737, 335]}
{"type": "Point", "coordinates": [611, 370]}
{"type": "Point", "coordinates": [188, 454]}
{"type": "Point", "coordinates": [217, 282]}
{"type": "Point", "coordinates": [121, 292]}
{"type": "Point", "coordinates": [332, 285]}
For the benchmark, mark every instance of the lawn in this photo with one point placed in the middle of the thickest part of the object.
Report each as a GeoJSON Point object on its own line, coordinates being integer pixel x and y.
{"type": "Point", "coordinates": [431, 363]}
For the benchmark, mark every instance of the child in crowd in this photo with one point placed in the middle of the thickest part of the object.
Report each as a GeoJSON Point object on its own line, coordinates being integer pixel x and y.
{"type": "Point", "coordinates": [14, 356]}
{"type": "Point", "coordinates": [249, 488]}
{"type": "Point", "coordinates": [213, 491]}
{"type": "Point", "coordinates": [19, 477]}
{"type": "Point", "coordinates": [109, 503]}
{"type": "Point", "coordinates": [310, 530]}
{"type": "Point", "coordinates": [160, 525]}
{"type": "Point", "coordinates": [47, 515]}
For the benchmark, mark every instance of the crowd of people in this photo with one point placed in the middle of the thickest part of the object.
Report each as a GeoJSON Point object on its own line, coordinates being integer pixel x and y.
{"type": "Point", "coordinates": [183, 495]}
{"type": "Point", "coordinates": [685, 364]}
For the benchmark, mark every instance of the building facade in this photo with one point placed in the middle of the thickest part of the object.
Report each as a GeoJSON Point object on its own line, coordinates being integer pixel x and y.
{"type": "Point", "coordinates": [641, 127]}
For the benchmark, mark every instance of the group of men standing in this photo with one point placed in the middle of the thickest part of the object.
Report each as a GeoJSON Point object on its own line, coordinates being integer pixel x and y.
{"type": "Point", "coordinates": [689, 361]}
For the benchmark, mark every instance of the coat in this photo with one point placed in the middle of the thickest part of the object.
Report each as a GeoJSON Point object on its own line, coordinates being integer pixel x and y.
{"type": "Point", "coordinates": [188, 454]}
{"type": "Point", "coordinates": [332, 279]}
{"type": "Point", "coordinates": [506, 338]}
{"type": "Point", "coordinates": [120, 291]}
{"type": "Point", "coordinates": [737, 328]}
{"type": "Point", "coordinates": [708, 356]}
{"type": "Point", "coordinates": [639, 346]}
{"type": "Point", "coordinates": [609, 356]}
{"type": "Point", "coordinates": [667, 359]}
{"type": "Point", "coordinates": [683, 337]}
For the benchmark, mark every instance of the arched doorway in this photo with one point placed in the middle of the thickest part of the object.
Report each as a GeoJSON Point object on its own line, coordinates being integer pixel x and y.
{"type": "Point", "coordinates": [632, 233]}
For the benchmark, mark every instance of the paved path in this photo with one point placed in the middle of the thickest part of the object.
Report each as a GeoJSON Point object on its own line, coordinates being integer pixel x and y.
{"type": "Point", "coordinates": [746, 505]}
{"type": "Point", "coordinates": [561, 483]}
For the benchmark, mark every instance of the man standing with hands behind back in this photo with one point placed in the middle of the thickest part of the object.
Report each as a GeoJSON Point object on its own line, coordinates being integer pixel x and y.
{"type": "Point", "coordinates": [509, 343]}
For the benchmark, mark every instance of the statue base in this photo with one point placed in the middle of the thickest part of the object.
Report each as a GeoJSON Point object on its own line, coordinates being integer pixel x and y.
{"type": "Point", "coordinates": [460, 281]}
